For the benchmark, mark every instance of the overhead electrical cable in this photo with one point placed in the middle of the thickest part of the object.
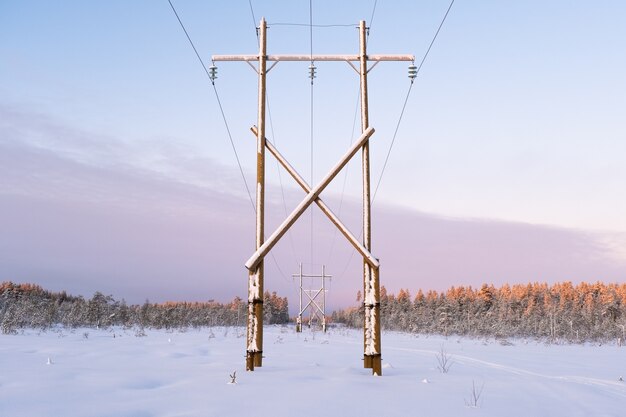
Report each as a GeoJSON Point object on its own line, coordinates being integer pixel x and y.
{"type": "Point", "coordinates": [356, 110]}
{"type": "Point", "coordinates": [407, 98]}
{"type": "Point", "coordinates": [345, 177]}
{"type": "Point", "coordinates": [393, 139]}
{"type": "Point", "coordinates": [253, 17]}
{"type": "Point", "coordinates": [432, 42]}
{"type": "Point", "coordinates": [373, 12]}
{"type": "Point", "coordinates": [312, 75]}
{"type": "Point", "coordinates": [219, 102]}
{"type": "Point", "coordinates": [280, 179]}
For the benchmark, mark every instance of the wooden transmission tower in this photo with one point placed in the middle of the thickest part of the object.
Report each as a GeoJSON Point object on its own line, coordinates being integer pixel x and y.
{"type": "Point", "coordinates": [371, 284]}
{"type": "Point", "coordinates": [317, 308]}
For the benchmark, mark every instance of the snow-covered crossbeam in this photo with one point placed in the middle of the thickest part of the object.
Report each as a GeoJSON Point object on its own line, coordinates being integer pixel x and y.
{"type": "Point", "coordinates": [308, 58]}
{"type": "Point", "coordinates": [258, 256]}
{"type": "Point", "coordinates": [367, 256]}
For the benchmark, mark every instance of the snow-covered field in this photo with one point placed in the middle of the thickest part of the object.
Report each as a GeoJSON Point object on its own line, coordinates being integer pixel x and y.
{"type": "Point", "coordinates": [187, 374]}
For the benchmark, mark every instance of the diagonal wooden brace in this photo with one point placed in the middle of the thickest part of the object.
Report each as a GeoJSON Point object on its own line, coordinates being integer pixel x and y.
{"type": "Point", "coordinates": [258, 256]}
{"type": "Point", "coordinates": [369, 258]}
{"type": "Point", "coordinates": [312, 301]}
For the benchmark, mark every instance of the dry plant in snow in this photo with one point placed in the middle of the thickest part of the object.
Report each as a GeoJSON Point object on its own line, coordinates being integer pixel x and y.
{"type": "Point", "coordinates": [444, 360]}
{"type": "Point", "coordinates": [474, 396]}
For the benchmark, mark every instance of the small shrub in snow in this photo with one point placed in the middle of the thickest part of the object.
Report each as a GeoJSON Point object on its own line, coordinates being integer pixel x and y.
{"type": "Point", "coordinates": [444, 360]}
{"type": "Point", "coordinates": [233, 377]}
{"type": "Point", "coordinates": [86, 335]}
{"type": "Point", "coordinates": [474, 395]}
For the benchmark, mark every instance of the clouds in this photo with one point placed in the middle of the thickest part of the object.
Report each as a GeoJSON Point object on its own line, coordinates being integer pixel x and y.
{"type": "Point", "coordinates": [106, 223]}
{"type": "Point", "coordinates": [83, 212]}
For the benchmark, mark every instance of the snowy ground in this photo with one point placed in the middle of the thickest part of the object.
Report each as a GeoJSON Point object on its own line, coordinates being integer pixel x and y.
{"type": "Point", "coordinates": [187, 374]}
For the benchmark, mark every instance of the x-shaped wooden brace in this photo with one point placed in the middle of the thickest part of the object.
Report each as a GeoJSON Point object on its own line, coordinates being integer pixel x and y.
{"type": "Point", "coordinates": [312, 301]}
{"type": "Point", "coordinates": [313, 196]}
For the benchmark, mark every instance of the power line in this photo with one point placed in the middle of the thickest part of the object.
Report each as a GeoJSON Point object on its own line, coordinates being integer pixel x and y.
{"type": "Point", "coordinates": [432, 42]}
{"type": "Point", "coordinates": [434, 37]}
{"type": "Point", "coordinates": [232, 144]}
{"type": "Point", "coordinates": [373, 12]}
{"type": "Point", "coordinates": [393, 139]}
{"type": "Point", "coordinates": [253, 17]}
{"type": "Point", "coordinates": [190, 41]}
{"type": "Point", "coordinates": [280, 179]}
{"type": "Point", "coordinates": [219, 102]}
{"type": "Point", "coordinates": [312, 75]}
{"type": "Point", "coordinates": [345, 175]}
{"type": "Point", "coordinates": [407, 97]}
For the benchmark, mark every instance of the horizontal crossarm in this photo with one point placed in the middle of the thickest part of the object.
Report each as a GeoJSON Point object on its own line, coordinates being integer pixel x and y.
{"type": "Point", "coordinates": [309, 58]}
{"type": "Point", "coordinates": [369, 258]}
{"type": "Point", "coordinates": [258, 256]}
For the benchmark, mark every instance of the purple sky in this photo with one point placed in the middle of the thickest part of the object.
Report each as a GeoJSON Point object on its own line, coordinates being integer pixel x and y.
{"type": "Point", "coordinates": [116, 172]}
{"type": "Point", "coordinates": [72, 222]}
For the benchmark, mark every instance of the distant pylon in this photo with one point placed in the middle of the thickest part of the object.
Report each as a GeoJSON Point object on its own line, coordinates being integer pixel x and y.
{"type": "Point", "coordinates": [315, 308]}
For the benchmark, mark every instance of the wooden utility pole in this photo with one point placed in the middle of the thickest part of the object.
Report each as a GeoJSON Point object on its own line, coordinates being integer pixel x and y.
{"type": "Point", "coordinates": [371, 327]}
{"type": "Point", "coordinates": [371, 303]}
{"type": "Point", "coordinates": [254, 350]}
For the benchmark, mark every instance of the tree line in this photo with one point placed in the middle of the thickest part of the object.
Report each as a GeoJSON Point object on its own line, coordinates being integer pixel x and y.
{"type": "Point", "coordinates": [559, 312]}
{"type": "Point", "coordinates": [30, 306]}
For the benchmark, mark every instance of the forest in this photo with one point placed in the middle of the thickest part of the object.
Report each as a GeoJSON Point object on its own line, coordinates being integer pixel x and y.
{"type": "Point", "coordinates": [562, 312]}
{"type": "Point", "coordinates": [30, 306]}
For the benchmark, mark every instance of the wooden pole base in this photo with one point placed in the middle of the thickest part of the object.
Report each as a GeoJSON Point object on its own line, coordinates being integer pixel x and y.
{"type": "Point", "coordinates": [374, 363]}
{"type": "Point", "coordinates": [367, 361]}
{"type": "Point", "coordinates": [250, 362]}
{"type": "Point", "coordinates": [377, 368]}
{"type": "Point", "coordinates": [254, 359]}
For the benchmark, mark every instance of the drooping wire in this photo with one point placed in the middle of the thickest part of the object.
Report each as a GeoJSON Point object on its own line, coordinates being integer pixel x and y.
{"type": "Point", "coordinates": [434, 37]}
{"type": "Point", "coordinates": [373, 12]}
{"type": "Point", "coordinates": [280, 179]}
{"type": "Point", "coordinates": [356, 110]}
{"type": "Point", "coordinates": [407, 99]}
{"type": "Point", "coordinates": [432, 42]}
{"type": "Point", "coordinates": [345, 177]}
{"type": "Point", "coordinates": [393, 139]}
{"type": "Point", "coordinates": [253, 17]}
{"type": "Point", "coordinates": [232, 144]}
{"type": "Point", "coordinates": [311, 105]}
{"type": "Point", "coordinates": [219, 102]}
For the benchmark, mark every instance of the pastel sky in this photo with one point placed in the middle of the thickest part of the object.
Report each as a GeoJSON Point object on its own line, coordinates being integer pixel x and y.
{"type": "Point", "coordinates": [116, 172]}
